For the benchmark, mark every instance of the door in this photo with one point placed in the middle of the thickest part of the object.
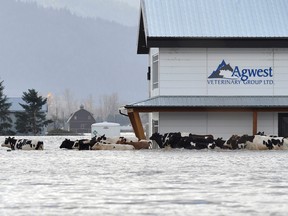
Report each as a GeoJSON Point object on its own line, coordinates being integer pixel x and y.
{"type": "Point", "coordinates": [283, 124]}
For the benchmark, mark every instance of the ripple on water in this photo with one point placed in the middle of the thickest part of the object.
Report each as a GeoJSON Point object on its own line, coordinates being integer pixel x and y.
{"type": "Point", "coordinates": [145, 182]}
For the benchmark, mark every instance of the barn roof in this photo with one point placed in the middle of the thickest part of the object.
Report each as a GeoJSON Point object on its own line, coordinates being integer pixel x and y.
{"type": "Point", "coordinates": [212, 102]}
{"type": "Point", "coordinates": [213, 23]}
{"type": "Point", "coordinates": [81, 110]}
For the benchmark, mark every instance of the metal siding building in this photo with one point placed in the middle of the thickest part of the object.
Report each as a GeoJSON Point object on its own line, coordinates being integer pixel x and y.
{"type": "Point", "coordinates": [215, 66]}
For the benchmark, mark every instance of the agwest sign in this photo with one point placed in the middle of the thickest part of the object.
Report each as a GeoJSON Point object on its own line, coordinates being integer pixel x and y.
{"type": "Point", "coordinates": [226, 75]}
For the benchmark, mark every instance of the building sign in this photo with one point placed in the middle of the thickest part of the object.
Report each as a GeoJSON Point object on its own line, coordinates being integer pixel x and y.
{"type": "Point", "coordinates": [227, 75]}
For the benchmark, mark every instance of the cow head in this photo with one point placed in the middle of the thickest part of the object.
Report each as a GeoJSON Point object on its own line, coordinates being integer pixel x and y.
{"type": "Point", "coordinates": [171, 139]}
{"type": "Point", "coordinates": [67, 143]}
{"type": "Point", "coordinates": [232, 142]}
{"type": "Point", "coordinates": [157, 138]}
{"type": "Point", "coordinates": [219, 142]}
{"type": "Point", "coordinates": [242, 141]}
{"type": "Point", "coordinates": [9, 142]}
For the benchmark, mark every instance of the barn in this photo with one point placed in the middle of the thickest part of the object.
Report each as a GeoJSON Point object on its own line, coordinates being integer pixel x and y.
{"type": "Point", "coordinates": [214, 67]}
{"type": "Point", "coordinates": [80, 121]}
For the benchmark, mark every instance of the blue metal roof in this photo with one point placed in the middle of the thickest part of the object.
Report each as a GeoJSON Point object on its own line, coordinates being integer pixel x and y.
{"type": "Point", "coordinates": [215, 18]}
{"type": "Point", "coordinates": [213, 101]}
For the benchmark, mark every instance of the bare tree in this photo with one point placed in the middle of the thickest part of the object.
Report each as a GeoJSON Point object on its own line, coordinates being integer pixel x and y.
{"type": "Point", "coordinates": [109, 105]}
{"type": "Point", "coordinates": [89, 104]}
{"type": "Point", "coordinates": [70, 104]}
{"type": "Point", "coordinates": [61, 107]}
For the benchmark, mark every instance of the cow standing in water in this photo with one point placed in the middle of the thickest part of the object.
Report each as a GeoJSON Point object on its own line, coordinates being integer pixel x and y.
{"type": "Point", "coordinates": [176, 140]}
{"type": "Point", "coordinates": [262, 142]}
{"type": "Point", "coordinates": [23, 144]}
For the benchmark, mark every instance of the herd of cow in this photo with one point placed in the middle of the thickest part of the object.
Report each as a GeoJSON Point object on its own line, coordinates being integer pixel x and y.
{"type": "Point", "coordinates": [96, 143]}
{"type": "Point", "coordinates": [260, 141]}
{"type": "Point", "coordinates": [167, 140]}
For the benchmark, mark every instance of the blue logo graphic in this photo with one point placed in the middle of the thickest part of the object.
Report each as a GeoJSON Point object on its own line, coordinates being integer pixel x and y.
{"type": "Point", "coordinates": [223, 71]}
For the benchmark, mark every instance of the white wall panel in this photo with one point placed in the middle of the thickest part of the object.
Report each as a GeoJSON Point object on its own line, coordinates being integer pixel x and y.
{"type": "Point", "coordinates": [268, 123]}
{"type": "Point", "coordinates": [218, 124]}
{"type": "Point", "coordinates": [228, 123]}
{"type": "Point", "coordinates": [183, 122]}
{"type": "Point", "coordinates": [185, 71]}
{"type": "Point", "coordinates": [179, 91]}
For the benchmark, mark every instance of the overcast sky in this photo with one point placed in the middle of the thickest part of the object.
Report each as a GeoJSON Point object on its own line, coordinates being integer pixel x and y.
{"type": "Point", "coordinates": [90, 8]}
{"type": "Point", "coordinates": [57, 38]}
{"type": "Point", "coordinates": [85, 3]}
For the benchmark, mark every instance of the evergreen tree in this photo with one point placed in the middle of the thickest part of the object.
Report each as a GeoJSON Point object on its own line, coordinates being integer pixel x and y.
{"type": "Point", "coordinates": [32, 119]}
{"type": "Point", "coordinates": [5, 120]}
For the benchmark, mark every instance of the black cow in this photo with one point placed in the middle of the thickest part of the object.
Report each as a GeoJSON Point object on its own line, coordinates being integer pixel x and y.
{"type": "Point", "coordinates": [219, 142]}
{"type": "Point", "coordinates": [202, 138]}
{"type": "Point", "coordinates": [176, 140]}
{"type": "Point", "coordinates": [68, 144]}
{"type": "Point", "coordinates": [158, 138]}
{"type": "Point", "coordinates": [82, 144]}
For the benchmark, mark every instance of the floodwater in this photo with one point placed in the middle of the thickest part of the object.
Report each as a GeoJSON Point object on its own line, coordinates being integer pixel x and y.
{"type": "Point", "coordinates": [142, 182]}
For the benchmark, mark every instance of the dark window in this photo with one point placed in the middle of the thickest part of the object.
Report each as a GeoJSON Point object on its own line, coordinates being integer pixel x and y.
{"type": "Point", "coordinates": [155, 126]}
{"type": "Point", "coordinates": [283, 124]}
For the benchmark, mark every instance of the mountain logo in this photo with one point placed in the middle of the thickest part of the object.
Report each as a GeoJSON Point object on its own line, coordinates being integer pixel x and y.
{"type": "Point", "coordinates": [224, 71]}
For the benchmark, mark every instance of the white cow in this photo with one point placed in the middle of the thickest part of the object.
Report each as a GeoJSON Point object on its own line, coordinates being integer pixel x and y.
{"type": "Point", "coordinates": [101, 146]}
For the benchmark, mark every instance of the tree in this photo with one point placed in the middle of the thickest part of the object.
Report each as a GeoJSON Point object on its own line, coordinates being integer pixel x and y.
{"type": "Point", "coordinates": [109, 106]}
{"type": "Point", "coordinates": [32, 119]}
{"type": "Point", "coordinates": [5, 120]}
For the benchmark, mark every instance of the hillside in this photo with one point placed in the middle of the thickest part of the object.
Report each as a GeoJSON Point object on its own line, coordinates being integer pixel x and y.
{"type": "Point", "coordinates": [53, 50]}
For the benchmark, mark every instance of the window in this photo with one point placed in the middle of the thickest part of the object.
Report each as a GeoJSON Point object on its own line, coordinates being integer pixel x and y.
{"type": "Point", "coordinates": [155, 126]}
{"type": "Point", "coordinates": [75, 117]}
{"type": "Point", "coordinates": [155, 60]}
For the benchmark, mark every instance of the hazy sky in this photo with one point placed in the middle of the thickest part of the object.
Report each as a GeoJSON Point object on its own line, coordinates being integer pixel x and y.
{"type": "Point", "coordinates": [53, 38]}
{"type": "Point", "coordinates": [90, 8]}
{"type": "Point", "coordinates": [133, 3]}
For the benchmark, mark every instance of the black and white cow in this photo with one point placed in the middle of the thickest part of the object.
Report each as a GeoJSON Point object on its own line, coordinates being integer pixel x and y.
{"type": "Point", "coordinates": [256, 142]}
{"type": "Point", "coordinates": [68, 144]}
{"type": "Point", "coordinates": [158, 138]}
{"type": "Point", "coordinates": [232, 142]}
{"type": "Point", "coordinates": [262, 142]}
{"type": "Point", "coordinates": [84, 144]}
{"type": "Point", "coordinates": [176, 140]}
{"type": "Point", "coordinates": [81, 144]}
{"type": "Point", "coordinates": [219, 142]}
{"type": "Point", "coordinates": [194, 141]}
{"type": "Point", "coordinates": [23, 144]}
